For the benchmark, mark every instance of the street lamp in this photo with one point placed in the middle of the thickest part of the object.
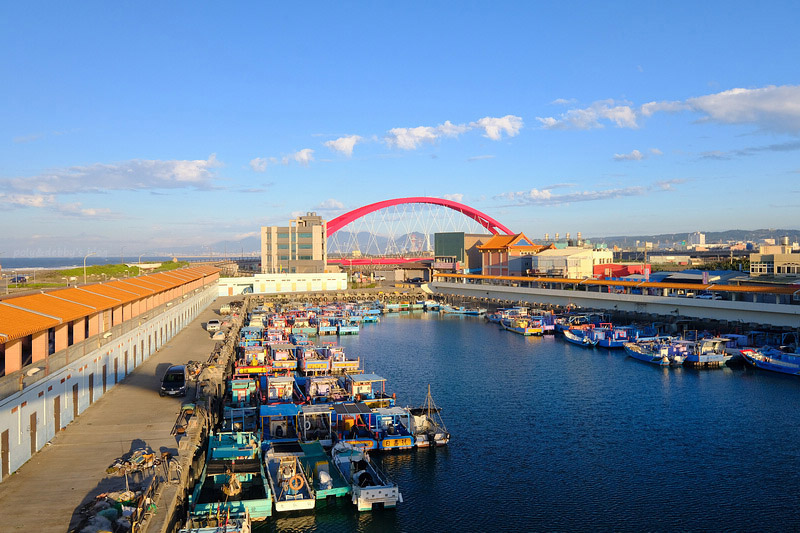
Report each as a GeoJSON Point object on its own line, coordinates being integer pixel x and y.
{"type": "Point", "coordinates": [84, 265]}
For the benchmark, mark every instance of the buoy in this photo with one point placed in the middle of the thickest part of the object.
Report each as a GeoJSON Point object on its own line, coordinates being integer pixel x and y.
{"type": "Point", "coordinates": [296, 482]}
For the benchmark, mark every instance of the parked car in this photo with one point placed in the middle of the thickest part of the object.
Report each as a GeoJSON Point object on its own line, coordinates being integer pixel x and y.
{"type": "Point", "coordinates": [19, 279]}
{"type": "Point", "coordinates": [213, 325]}
{"type": "Point", "coordinates": [380, 278]}
{"type": "Point", "coordinates": [416, 280]}
{"type": "Point", "coordinates": [708, 296]}
{"type": "Point", "coordinates": [174, 381]}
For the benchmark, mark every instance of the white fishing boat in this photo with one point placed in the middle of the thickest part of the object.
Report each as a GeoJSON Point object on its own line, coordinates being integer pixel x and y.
{"type": "Point", "coordinates": [290, 486]}
{"type": "Point", "coordinates": [427, 426]}
{"type": "Point", "coordinates": [368, 484]}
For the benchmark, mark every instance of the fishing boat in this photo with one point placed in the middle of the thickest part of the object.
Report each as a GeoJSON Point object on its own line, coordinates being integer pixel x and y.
{"type": "Point", "coordinates": [523, 326]}
{"type": "Point", "coordinates": [290, 486]}
{"type": "Point", "coordinates": [611, 337]}
{"type": "Point", "coordinates": [773, 359]}
{"type": "Point", "coordinates": [708, 352]}
{"type": "Point", "coordinates": [656, 350]}
{"type": "Point", "coordinates": [576, 336]}
{"type": "Point", "coordinates": [352, 422]}
{"type": "Point", "coordinates": [427, 425]}
{"type": "Point", "coordinates": [233, 482]}
{"type": "Point", "coordinates": [326, 480]}
{"type": "Point", "coordinates": [368, 484]}
{"type": "Point", "coordinates": [390, 428]}
{"type": "Point", "coordinates": [315, 423]}
{"type": "Point", "coordinates": [431, 305]}
{"type": "Point", "coordinates": [217, 524]}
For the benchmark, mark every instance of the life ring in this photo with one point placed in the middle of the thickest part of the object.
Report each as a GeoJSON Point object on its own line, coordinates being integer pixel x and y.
{"type": "Point", "coordinates": [308, 425]}
{"type": "Point", "coordinates": [296, 482]}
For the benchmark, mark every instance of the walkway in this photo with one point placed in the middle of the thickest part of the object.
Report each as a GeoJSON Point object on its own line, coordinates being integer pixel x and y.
{"type": "Point", "coordinates": [46, 491]}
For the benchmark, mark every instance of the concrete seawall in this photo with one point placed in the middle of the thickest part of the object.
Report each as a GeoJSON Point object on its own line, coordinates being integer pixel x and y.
{"type": "Point", "coordinates": [756, 314]}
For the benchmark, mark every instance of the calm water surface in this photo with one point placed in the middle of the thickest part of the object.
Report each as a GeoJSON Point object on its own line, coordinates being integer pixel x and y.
{"type": "Point", "coordinates": [548, 436]}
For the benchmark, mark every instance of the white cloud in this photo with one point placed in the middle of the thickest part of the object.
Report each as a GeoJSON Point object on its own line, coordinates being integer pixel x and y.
{"type": "Point", "coordinates": [656, 151]}
{"type": "Point", "coordinates": [344, 145]}
{"type": "Point", "coordinates": [304, 157]}
{"type": "Point", "coordinates": [545, 196]}
{"type": "Point", "coordinates": [330, 205]}
{"type": "Point", "coordinates": [771, 108]}
{"type": "Point", "coordinates": [136, 174]}
{"type": "Point", "coordinates": [27, 200]}
{"type": "Point", "coordinates": [623, 116]}
{"type": "Point", "coordinates": [635, 155]}
{"type": "Point", "coordinates": [564, 101]}
{"type": "Point", "coordinates": [456, 197]}
{"type": "Point", "coordinates": [651, 108]}
{"type": "Point", "coordinates": [480, 157]}
{"type": "Point", "coordinates": [259, 164]}
{"type": "Point", "coordinates": [494, 127]}
{"type": "Point", "coordinates": [411, 138]}
{"type": "Point", "coordinates": [448, 129]}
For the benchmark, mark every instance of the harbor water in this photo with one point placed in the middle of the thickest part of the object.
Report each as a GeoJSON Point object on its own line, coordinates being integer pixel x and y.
{"type": "Point", "coordinates": [548, 436]}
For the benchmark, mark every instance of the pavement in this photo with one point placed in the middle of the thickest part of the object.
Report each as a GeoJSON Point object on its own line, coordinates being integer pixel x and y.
{"type": "Point", "coordinates": [45, 494]}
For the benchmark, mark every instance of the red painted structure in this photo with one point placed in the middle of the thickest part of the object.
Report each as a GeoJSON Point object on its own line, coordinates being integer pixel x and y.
{"type": "Point", "coordinates": [484, 220]}
{"type": "Point", "coordinates": [378, 261]}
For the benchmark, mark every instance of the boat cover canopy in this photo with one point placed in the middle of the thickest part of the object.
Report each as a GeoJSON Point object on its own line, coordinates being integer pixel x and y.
{"type": "Point", "coordinates": [281, 379]}
{"type": "Point", "coordinates": [358, 408]}
{"type": "Point", "coordinates": [365, 377]}
{"type": "Point", "coordinates": [276, 347]}
{"type": "Point", "coordinates": [315, 409]}
{"type": "Point", "coordinates": [282, 409]}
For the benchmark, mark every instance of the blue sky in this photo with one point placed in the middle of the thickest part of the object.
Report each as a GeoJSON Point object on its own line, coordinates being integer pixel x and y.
{"type": "Point", "coordinates": [155, 125]}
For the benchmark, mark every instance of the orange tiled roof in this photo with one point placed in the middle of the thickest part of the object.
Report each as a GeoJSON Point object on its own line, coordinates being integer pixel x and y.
{"type": "Point", "coordinates": [74, 294]}
{"type": "Point", "coordinates": [21, 316]}
{"type": "Point", "coordinates": [17, 323]}
{"type": "Point", "coordinates": [121, 296]}
{"type": "Point", "coordinates": [51, 305]}
{"type": "Point", "coordinates": [505, 242]}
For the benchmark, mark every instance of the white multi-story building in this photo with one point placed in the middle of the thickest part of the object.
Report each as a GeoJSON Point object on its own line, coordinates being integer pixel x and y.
{"type": "Point", "coordinates": [697, 239]}
{"type": "Point", "coordinates": [298, 248]}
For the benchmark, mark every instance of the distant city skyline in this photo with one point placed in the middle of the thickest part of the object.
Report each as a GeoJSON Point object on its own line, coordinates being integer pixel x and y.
{"type": "Point", "coordinates": [153, 127]}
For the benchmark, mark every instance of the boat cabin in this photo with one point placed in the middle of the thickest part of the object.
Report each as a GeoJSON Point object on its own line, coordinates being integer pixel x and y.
{"type": "Point", "coordinates": [280, 389]}
{"type": "Point", "coordinates": [282, 357]}
{"type": "Point", "coordinates": [352, 422]}
{"type": "Point", "coordinates": [279, 422]}
{"type": "Point", "coordinates": [316, 423]}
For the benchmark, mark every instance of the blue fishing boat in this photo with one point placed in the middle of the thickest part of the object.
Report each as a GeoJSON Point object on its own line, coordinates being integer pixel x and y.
{"type": "Point", "coordinates": [660, 351]}
{"type": "Point", "coordinates": [773, 359]}
{"type": "Point", "coordinates": [352, 422]}
{"type": "Point", "coordinates": [612, 337]}
{"type": "Point", "coordinates": [577, 336]}
{"type": "Point", "coordinates": [391, 428]}
{"type": "Point", "coordinates": [233, 482]}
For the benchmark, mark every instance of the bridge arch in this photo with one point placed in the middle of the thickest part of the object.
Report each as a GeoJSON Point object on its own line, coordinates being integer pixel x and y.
{"type": "Point", "coordinates": [483, 219]}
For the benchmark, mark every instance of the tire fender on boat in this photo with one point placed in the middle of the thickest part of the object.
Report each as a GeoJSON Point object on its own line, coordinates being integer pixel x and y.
{"type": "Point", "coordinates": [307, 425]}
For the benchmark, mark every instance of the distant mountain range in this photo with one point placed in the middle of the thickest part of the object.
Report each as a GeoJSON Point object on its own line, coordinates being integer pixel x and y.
{"type": "Point", "coordinates": [733, 235]}
{"type": "Point", "coordinates": [367, 243]}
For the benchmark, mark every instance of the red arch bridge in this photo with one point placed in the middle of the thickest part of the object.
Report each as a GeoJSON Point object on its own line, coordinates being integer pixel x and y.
{"type": "Point", "coordinates": [402, 229]}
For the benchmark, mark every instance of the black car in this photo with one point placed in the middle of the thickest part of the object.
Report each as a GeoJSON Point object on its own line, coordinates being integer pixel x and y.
{"type": "Point", "coordinates": [174, 381]}
{"type": "Point", "coordinates": [415, 280]}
